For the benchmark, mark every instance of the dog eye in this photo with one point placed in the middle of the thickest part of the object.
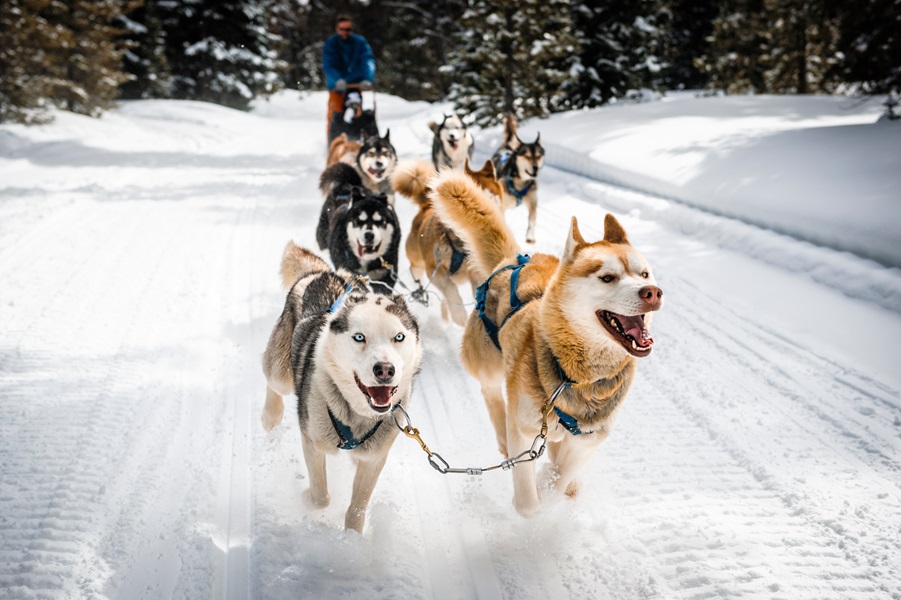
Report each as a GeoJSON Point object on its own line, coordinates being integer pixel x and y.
{"type": "Point", "coordinates": [645, 274]}
{"type": "Point", "coordinates": [399, 337]}
{"type": "Point", "coordinates": [359, 337]}
{"type": "Point", "coordinates": [607, 278]}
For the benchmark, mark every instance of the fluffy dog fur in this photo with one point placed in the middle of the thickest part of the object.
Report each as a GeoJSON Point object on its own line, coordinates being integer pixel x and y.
{"type": "Point", "coordinates": [435, 252]}
{"type": "Point", "coordinates": [374, 162]}
{"type": "Point", "coordinates": [584, 320]}
{"type": "Point", "coordinates": [343, 150]}
{"type": "Point", "coordinates": [349, 363]}
{"type": "Point", "coordinates": [517, 165]}
{"type": "Point", "coordinates": [360, 230]}
{"type": "Point", "coordinates": [453, 144]}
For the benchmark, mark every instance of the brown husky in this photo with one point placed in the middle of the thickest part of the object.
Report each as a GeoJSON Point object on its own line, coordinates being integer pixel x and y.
{"type": "Point", "coordinates": [343, 150]}
{"type": "Point", "coordinates": [576, 323]}
{"type": "Point", "coordinates": [435, 253]}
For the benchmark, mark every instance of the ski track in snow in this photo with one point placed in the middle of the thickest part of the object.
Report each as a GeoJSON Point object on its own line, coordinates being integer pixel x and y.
{"type": "Point", "coordinates": [134, 465]}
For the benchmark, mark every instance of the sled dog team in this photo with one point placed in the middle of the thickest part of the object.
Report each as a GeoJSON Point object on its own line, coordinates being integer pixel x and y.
{"type": "Point", "coordinates": [566, 327]}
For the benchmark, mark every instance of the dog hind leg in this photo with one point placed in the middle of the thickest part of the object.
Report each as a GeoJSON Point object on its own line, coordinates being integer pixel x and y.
{"type": "Point", "coordinates": [274, 409]}
{"type": "Point", "coordinates": [365, 478]}
{"type": "Point", "coordinates": [317, 495]}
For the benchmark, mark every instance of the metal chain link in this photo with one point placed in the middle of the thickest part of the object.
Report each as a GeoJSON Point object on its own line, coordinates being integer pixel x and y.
{"type": "Point", "coordinates": [442, 466]}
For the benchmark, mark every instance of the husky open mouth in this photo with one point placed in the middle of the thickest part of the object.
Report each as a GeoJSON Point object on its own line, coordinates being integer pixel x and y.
{"type": "Point", "coordinates": [631, 332]}
{"type": "Point", "coordinates": [454, 144]}
{"type": "Point", "coordinates": [363, 250]}
{"type": "Point", "coordinates": [375, 173]}
{"type": "Point", "coordinates": [378, 396]}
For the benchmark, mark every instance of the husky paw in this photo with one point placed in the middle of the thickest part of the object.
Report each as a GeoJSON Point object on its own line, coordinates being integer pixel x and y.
{"type": "Point", "coordinates": [572, 490]}
{"type": "Point", "coordinates": [355, 519]}
{"type": "Point", "coordinates": [316, 501]}
{"type": "Point", "coordinates": [526, 509]}
{"type": "Point", "coordinates": [270, 420]}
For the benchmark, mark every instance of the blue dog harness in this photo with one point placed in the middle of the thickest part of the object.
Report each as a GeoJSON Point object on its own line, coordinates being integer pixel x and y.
{"type": "Point", "coordinates": [515, 303]}
{"type": "Point", "coordinates": [518, 194]}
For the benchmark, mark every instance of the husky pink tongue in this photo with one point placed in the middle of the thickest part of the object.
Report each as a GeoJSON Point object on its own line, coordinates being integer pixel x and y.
{"type": "Point", "coordinates": [381, 394]}
{"type": "Point", "coordinates": [634, 326]}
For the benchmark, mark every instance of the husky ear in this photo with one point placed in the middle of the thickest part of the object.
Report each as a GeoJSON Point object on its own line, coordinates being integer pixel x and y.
{"type": "Point", "coordinates": [573, 241]}
{"type": "Point", "coordinates": [387, 135]}
{"type": "Point", "coordinates": [488, 170]}
{"type": "Point", "coordinates": [537, 138]}
{"type": "Point", "coordinates": [613, 231]}
{"type": "Point", "coordinates": [434, 126]}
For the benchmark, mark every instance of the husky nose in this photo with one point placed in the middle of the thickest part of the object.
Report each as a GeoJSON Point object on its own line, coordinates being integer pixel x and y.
{"type": "Point", "coordinates": [383, 371]}
{"type": "Point", "coordinates": [368, 237]}
{"type": "Point", "coordinates": [652, 296]}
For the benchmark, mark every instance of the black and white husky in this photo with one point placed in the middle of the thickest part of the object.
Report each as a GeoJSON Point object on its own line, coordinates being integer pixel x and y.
{"type": "Point", "coordinates": [374, 163]}
{"type": "Point", "coordinates": [452, 144]}
{"type": "Point", "coordinates": [360, 230]}
{"type": "Point", "coordinates": [350, 357]}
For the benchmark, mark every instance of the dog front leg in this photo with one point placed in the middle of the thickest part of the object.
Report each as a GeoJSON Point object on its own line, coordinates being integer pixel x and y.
{"type": "Point", "coordinates": [532, 203]}
{"type": "Point", "coordinates": [569, 457]}
{"type": "Point", "coordinates": [317, 495]}
{"type": "Point", "coordinates": [366, 476]}
{"type": "Point", "coordinates": [452, 300]}
{"type": "Point", "coordinates": [525, 487]}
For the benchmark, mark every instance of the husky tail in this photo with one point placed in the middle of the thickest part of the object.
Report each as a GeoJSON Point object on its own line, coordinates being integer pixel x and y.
{"type": "Point", "coordinates": [511, 137]}
{"type": "Point", "coordinates": [338, 174]}
{"type": "Point", "coordinates": [476, 219]}
{"type": "Point", "coordinates": [298, 262]}
{"type": "Point", "coordinates": [411, 179]}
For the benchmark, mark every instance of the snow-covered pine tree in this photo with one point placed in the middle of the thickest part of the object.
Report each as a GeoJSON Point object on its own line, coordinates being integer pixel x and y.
{"type": "Point", "coordinates": [870, 43]}
{"type": "Point", "coordinates": [619, 50]}
{"type": "Point", "coordinates": [511, 58]}
{"type": "Point", "coordinates": [686, 37]}
{"type": "Point", "coordinates": [802, 46]}
{"type": "Point", "coordinates": [416, 36]}
{"type": "Point", "coordinates": [145, 59]}
{"type": "Point", "coordinates": [220, 50]}
{"type": "Point", "coordinates": [737, 59]}
{"type": "Point", "coordinates": [75, 62]}
{"type": "Point", "coordinates": [25, 76]}
{"type": "Point", "coordinates": [303, 31]}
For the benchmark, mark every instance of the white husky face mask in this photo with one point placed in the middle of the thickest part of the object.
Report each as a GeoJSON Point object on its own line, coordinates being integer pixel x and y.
{"type": "Point", "coordinates": [373, 352]}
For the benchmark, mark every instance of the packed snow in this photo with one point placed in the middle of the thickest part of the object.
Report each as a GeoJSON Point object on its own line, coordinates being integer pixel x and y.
{"type": "Point", "coordinates": [758, 454]}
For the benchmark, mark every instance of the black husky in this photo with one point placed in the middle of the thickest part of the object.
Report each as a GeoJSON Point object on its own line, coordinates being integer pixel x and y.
{"type": "Point", "coordinates": [360, 230]}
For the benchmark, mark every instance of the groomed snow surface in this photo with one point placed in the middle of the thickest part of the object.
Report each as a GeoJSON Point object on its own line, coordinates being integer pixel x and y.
{"type": "Point", "coordinates": [758, 454]}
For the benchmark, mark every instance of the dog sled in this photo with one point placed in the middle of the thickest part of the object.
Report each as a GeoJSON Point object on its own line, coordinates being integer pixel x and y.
{"type": "Point", "coordinates": [356, 118]}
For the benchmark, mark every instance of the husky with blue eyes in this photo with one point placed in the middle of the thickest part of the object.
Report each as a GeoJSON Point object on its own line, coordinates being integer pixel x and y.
{"type": "Point", "coordinates": [349, 356]}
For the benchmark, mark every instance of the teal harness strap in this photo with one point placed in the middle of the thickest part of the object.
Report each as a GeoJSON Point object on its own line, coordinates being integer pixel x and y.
{"type": "Point", "coordinates": [568, 421]}
{"type": "Point", "coordinates": [346, 439]}
{"type": "Point", "coordinates": [518, 194]}
{"type": "Point", "coordinates": [340, 299]}
{"type": "Point", "coordinates": [491, 327]}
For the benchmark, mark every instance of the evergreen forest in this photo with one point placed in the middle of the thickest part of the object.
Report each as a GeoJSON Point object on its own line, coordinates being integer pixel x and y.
{"type": "Point", "coordinates": [527, 57]}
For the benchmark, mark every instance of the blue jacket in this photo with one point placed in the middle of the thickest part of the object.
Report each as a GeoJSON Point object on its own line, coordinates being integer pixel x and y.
{"type": "Point", "coordinates": [351, 61]}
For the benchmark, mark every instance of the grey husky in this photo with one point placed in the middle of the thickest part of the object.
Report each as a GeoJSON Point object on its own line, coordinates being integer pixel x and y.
{"type": "Point", "coordinates": [452, 143]}
{"type": "Point", "coordinates": [350, 357]}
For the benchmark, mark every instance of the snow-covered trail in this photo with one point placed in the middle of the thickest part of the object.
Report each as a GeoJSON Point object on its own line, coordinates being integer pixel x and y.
{"type": "Point", "coordinates": [748, 462]}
